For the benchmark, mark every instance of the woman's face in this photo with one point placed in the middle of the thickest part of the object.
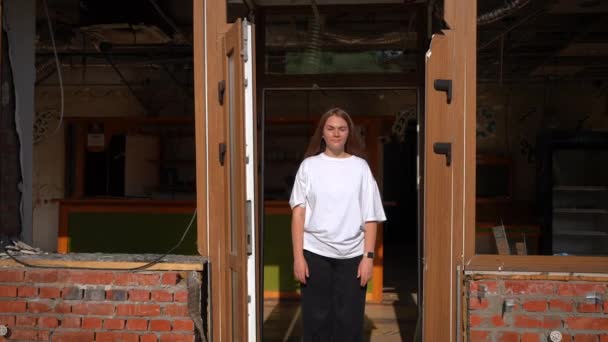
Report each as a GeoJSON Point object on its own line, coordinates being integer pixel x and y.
{"type": "Point", "coordinates": [335, 133]}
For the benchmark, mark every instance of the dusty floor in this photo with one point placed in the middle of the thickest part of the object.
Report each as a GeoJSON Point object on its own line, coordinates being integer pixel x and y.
{"type": "Point", "coordinates": [392, 320]}
{"type": "Point", "coordinates": [383, 322]}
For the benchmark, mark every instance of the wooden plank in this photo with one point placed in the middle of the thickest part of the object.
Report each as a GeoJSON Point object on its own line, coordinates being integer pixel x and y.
{"type": "Point", "coordinates": [200, 126]}
{"type": "Point", "coordinates": [467, 137]}
{"type": "Point", "coordinates": [215, 26]}
{"type": "Point", "coordinates": [235, 230]}
{"type": "Point", "coordinates": [538, 263]}
{"type": "Point", "coordinates": [461, 18]}
{"type": "Point", "coordinates": [538, 276]}
{"type": "Point", "coordinates": [468, 43]}
{"type": "Point", "coordinates": [437, 273]}
{"type": "Point", "coordinates": [111, 261]}
{"type": "Point", "coordinates": [103, 265]}
{"type": "Point", "coordinates": [259, 267]}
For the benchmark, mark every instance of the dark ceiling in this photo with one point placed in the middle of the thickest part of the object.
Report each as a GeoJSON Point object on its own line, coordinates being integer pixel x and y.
{"type": "Point", "coordinates": [533, 40]}
{"type": "Point", "coordinates": [170, 18]}
{"type": "Point", "coordinates": [545, 40]}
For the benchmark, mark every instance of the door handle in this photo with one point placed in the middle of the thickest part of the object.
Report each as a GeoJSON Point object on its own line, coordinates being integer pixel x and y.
{"type": "Point", "coordinates": [221, 91]}
{"type": "Point", "coordinates": [444, 148]}
{"type": "Point", "coordinates": [222, 153]}
{"type": "Point", "coordinates": [444, 85]}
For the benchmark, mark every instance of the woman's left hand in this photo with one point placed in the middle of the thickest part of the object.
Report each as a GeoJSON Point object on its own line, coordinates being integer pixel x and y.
{"type": "Point", "coordinates": [364, 273]}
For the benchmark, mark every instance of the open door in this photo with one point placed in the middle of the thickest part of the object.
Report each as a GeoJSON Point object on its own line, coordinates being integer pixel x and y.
{"type": "Point", "coordinates": [449, 169]}
{"type": "Point", "coordinates": [437, 272]}
{"type": "Point", "coordinates": [236, 154]}
{"type": "Point", "coordinates": [255, 302]}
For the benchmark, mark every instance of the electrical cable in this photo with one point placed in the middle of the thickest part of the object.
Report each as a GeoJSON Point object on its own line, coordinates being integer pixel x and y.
{"type": "Point", "coordinates": [138, 268]}
{"type": "Point", "coordinates": [59, 76]}
{"type": "Point", "coordinates": [510, 7]}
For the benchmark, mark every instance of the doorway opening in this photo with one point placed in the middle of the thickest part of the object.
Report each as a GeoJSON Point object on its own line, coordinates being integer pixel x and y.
{"type": "Point", "coordinates": [387, 119]}
{"type": "Point", "coordinates": [369, 60]}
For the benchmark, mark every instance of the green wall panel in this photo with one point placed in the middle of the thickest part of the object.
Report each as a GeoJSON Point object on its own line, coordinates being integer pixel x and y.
{"type": "Point", "coordinates": [278, 257]}
{"type": "Point", "coordinates": [130, 233]}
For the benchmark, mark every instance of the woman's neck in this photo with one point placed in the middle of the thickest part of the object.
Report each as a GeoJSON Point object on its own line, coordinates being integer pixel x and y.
{"type": "Point", "coordinates": [336, 154]}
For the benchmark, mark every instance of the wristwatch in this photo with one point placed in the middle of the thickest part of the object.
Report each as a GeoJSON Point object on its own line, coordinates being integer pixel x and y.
{"type": "Point", "coordinates": [370, 255]}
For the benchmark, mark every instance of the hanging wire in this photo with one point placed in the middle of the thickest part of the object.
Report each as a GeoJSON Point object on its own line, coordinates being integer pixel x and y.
{"type": "Point", "coordinates": [510, 7]}
{"type": "Point", "coordinates": [57, 64]}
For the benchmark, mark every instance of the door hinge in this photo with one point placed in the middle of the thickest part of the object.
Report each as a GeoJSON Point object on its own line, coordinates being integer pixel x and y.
{"type": "Point", "coordinates": [444, 85]}
{"type": "Point", "coordinates": [249, 223]}
{"type": "Point", "coordinates": [221, 91]}
{"type": "Point", "coordinates": [222, 153]}
{"type": "Point", "coordinates": [444, 148]}
{"type": "Point", "coordinates": [245, 47]}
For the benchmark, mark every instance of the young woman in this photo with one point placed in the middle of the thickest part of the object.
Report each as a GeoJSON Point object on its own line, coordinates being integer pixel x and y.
{"type": "Point", "coordinates": [336, 206]}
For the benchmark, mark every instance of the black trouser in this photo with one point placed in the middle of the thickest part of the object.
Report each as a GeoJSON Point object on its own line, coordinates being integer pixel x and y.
{"type": "Point", "coordinates": [333, 301]}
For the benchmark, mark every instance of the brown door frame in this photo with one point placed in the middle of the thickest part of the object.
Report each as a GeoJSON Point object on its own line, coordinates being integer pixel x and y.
{"type": "Point", "coordinates": [235, 232]}
{"type": "Point", "coordinates": [211, 198]}
{"type": "Point", "coordinates": [446, 218]}
{"type": "Point", "coordinates": [438, 191]}
{"type": "Point", "coordinates": [221, 175]}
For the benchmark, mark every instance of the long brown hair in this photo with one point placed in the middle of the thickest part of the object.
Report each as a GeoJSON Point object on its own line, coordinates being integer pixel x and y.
{"type": "Point", "coordinates": [354, 143]}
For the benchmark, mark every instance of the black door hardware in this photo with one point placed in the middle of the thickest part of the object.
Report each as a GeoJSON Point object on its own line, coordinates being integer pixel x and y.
{"type": "Point", "coordinates": [222, 150]}
{"type": "Point", "coordinates": [221, 90]}
{"type": "Point", "coordinates": [444, 148]}
{"type": "Point", "coordinates": [444, 85]}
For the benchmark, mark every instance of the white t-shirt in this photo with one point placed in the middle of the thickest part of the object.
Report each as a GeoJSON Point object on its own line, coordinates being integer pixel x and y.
{"type": "Point", "coordinates": [339, 195]}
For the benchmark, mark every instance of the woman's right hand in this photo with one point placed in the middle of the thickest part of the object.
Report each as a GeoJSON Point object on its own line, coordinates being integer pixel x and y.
{"type": "Point", "coordinates": [300, 269]}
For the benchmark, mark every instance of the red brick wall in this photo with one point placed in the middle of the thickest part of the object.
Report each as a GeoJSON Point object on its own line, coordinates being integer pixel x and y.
{"type": "Point", "coordinates": [75, 305]}
{"type": "Point", "coordinates": [540, 306]}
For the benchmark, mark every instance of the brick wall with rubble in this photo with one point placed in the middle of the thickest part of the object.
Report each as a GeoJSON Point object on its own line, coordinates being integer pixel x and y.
{"type": "Point", "coordinates": [529, 309]}
{"type": "Point", "coordinates": [98, 305]}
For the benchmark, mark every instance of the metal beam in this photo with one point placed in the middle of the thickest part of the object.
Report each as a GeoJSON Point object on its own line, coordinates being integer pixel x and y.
{"type": "Point", "coordinates": [108, 56]}
{"type": "Point", "coordinates": [170, 22]}
{"type": "Point", "coordinates": [556, 60]}
{"type": "Point", "coordinates": [520, 22]}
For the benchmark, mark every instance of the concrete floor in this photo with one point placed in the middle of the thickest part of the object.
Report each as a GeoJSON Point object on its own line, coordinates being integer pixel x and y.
{"type": "Point", "coordinates": [392, 320]}
{"type": "Point", "coordinates": [383, 322]}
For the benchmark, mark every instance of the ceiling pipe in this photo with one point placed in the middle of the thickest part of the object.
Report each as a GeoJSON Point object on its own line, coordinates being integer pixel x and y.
{"type": "Point", "coordinates": [106, 49]}
{"type": "Point", "coordinates": [170, 22]}
{"type": "Point", "coordinates": [161, 49]}
{"type": "Point", "coordinates": [510, 28]}
{"type": "Point", "coordinates": [510, 7]}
